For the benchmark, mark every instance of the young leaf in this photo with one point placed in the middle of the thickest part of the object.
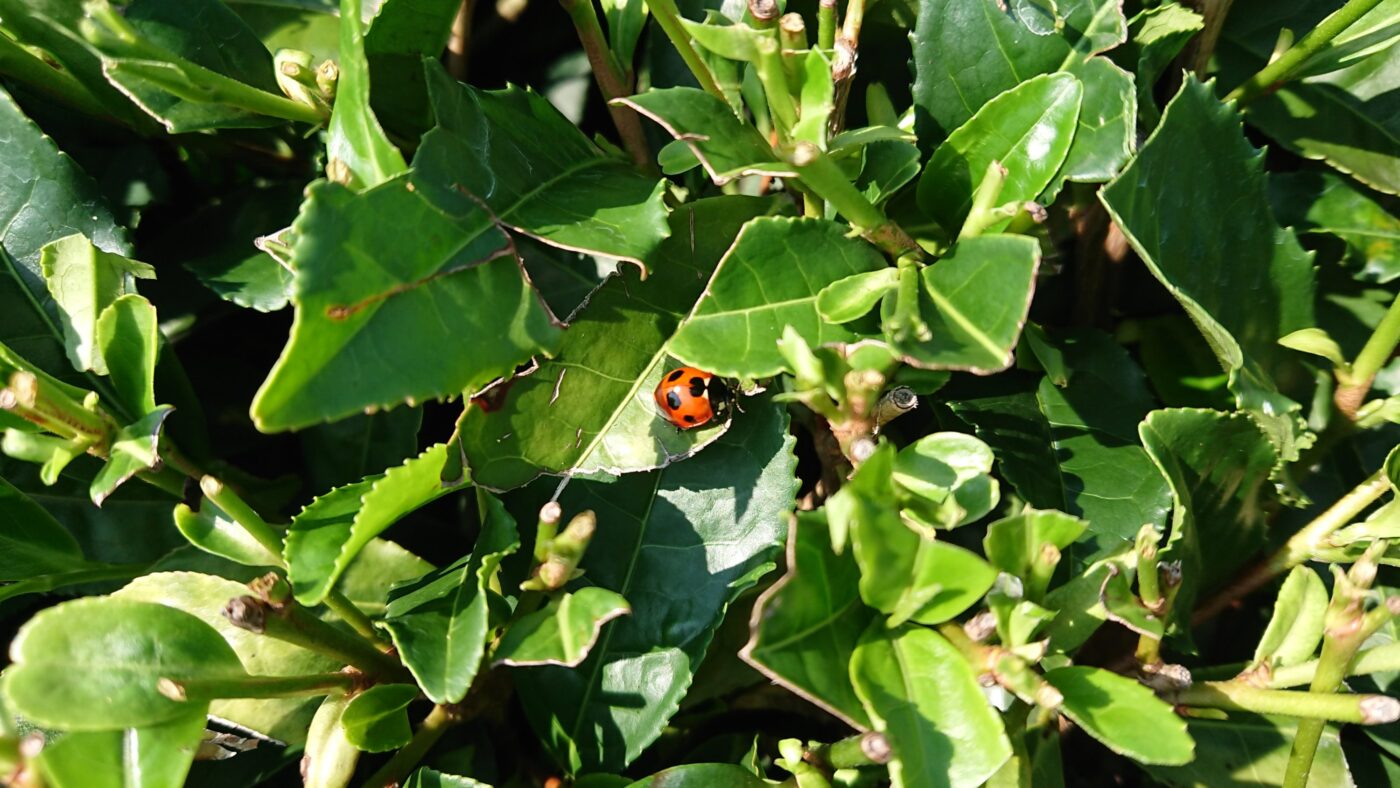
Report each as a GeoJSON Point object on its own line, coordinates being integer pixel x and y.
{"type": "Point", "coordinates": [1021, 546]}
{"type": "Point", "coordinates": [1124, 715]}
{"type": "Point", "coordinates": [133, 450]}
{"type": "Point", "coordinates": [214, 532]}
{"type": "Point", "coordinates": [402, 34]}
{"type": "Point", "coordinates": [154, 756]}
{"type": "Point", "coordinates": [598, 389]}
{"type": "Point", "coordinates": [944, 479]}
{"type": "Point", "coordinates": [1158, 35]}
{"type": "Point", "coordinates": [564, 632]}
{"type": "Point", "coordinates": [32, 542]}
{"type": "Point", "coordinates": [355, 139]}
{"type": "Point", "coordinates": [94, 664]}
{"type": "Point", "coordinates": [734, 329]}
{"type": "Point", "coordinates": [1296, 626]}
{"type": "Point", "coordinates": [852, 297]}
{"type": "Point", "coordinates": [536, 172]}
{"type": "Point", "coordinates": [376, 720]}
{"type": "Point", "coordinates": [128, 342]}
{"type": "Point", "coordinates": [727, 147]}
{"type": "Point", "coordinates": [807, 624]}
{"type": "Point", "coordinates": [423, 777]}
{"type": "Point", "coordinates": [1316, 342]}
{"type": "Point", "coordinates": [330, 757]}
{"type": "Point", "coordinates": [361, 291]}
{"type": "Point", "coordinates": [329, 533]}
{"type": "Point", "coordinates": [84, 280]}
{"type": "Point", "coordinates": [975, 300]}
{"type": "Point", "coordinates": [923, 695]}
{"type": "Point", "coordinates": [1210, 252]}
{"type": "Point", "coordinates": [1028, 129]}
{"type": "Point", "coordinates": [709, 526]}
{"type": "Point", "coordinates": [439, 623]}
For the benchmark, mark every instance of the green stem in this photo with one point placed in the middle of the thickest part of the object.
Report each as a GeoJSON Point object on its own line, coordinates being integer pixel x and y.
{"type": "Point", "coordinates": [97, 574]}
{"type": "Point", "coordinates": [826, 24]}
{"type": "Point", "coordinates": [1376, 352]}
{"type": "Point", "coordinates": [18, 63]}
{"type": "Point", "coordinates": [820, 174]}
{"type": "Point", "coordinates": [775, 86]}
{"type": "Point", "coordinates": [1373, 660]}
{"type": "Point", "coordinates": [984, 202]}
{"type": "Point", "coordinates": [863, 749]}
{"type": "Point", "coordinates": [42, 403]}
{"type": "Point", "coordinates": [1279, 71]}
{"type": "Point", "coordinates": [611, 78]}
{"type": "Point", "coordinates": [398, 768]}
{"type": "Point", "coordinates": [313, 685]}
{"type": "Point", "coordinates": [669, 17]}
{"type": "Point", "coordinates": [292, 623]}
{"type": "Point", "coordinates": [855, 17]}
{"type": "Point", "coordinates": [1238, 696]}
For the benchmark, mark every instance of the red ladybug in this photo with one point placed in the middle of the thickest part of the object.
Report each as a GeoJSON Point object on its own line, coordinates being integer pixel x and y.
{"type": "Point", "coordinates": [690, 398]}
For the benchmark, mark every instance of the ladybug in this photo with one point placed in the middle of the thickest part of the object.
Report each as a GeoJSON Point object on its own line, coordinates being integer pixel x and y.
{"type": "Point", "coordinates": [690, 398]}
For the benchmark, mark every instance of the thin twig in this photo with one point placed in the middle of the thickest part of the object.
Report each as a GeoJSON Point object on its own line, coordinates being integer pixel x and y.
{"type": "Point", "coordinates": [459, 45]}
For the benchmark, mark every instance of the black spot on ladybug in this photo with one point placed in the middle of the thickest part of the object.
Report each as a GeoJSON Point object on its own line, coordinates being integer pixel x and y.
{"type": "Point", "coordinates": [697, 387]}
{"type": "Point", "coordinates": [675, 376]}
{"type": "Point", "coordinates": [673, 400]}
{"type": "Point", "coordinates": [697, 381]}
{"type": "Point", "coordinates": [689, 419]}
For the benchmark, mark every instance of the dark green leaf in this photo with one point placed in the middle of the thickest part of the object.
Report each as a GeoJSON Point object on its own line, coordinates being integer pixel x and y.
{"type": "Point", "coordinates": [376, 720]}
{"type": "Point", "coordinates": [1321, 204]}
{"type": "Point", "coordinates": [1019, 544]}
{"type": "Point", "coordinates": [1208, 256]}
{"type": "Point", "coordinates": [1247, 751]}
{"type": "Point", "coordinates": [807, 624]}
{"type": "Point", "coordinates": [93, 664]}
{"type": "Point", "coordinates": [332, 530]}
{"type": "Point", "coordinates": [735, 327]}
{"type": "Point", "coordinates": [31, 541]}
{"type": "Point", "coordinates": [702, 775]}
{"type": "Point", "coordinates": [564, 632]}
{"type": "Point", "coordinates": [1106, 132]}
{"type": "Point", "coordinates": [355, 138]}
{"type": "Point", "coordinates": [975, 300]}
{"type": "Point", "coordinates": [1158, 36]}
{"type": "Point", "coordinates": [133, 450]}
{"type": "Point", "coordinates": [439, 623]}
{"type": "Point", "coordinates": [709, 525]}
{"type": "Point", "coordinates": [348, 450]}
{"type": "Point", "coordinates": [156, 756]}
{"type": "Point", "coordinates": [429, 778]}
{"type": "Point", "coordinates": [598, 389]}
{"type": "Point", "coordinates": [727, 147]}
{"type": "Point", "coordinates": [1124, 715]}
{"type": "Point", "coordinates": [536, 172]}
{"type": "Point", "coordinates": [924, 696]}
{"type": "Point", "coordinates": [361, 291]}
{"type": "Point", "coordinates": [403, 33]}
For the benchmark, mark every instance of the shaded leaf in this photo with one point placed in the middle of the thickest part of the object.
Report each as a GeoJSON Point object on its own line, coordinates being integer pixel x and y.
{"type": "Point", "coordinates": [1322, 204]}
{"type": "Point", "coordinates": [1124, 715]}
{"type": "Point", "coordinates": [564, 632]}
{"type": "Point", "coordinates": [423, 777]}
{"type": "Point", "coordinates": [402, 34]}
{"type": "Point", "coordinates": [376, 720]}
{"type": "Point", "coordinates": [702, 775]}
{"type": "Point", "coordinates": [133, 450]}
{"type": "Point", "coordinates": [807, 624]}
{"type": "Point", "coordinates": [32, 542]}
{"type": "Point", "coordinates": [1158, 36]}
{"type": "Point", "coordinates": [726, 147]}
{"type": "Point", "coordinates": [350, 449]}
{"type": "Point", "coordinates": [1247, 751]}
{"type": "Point", "coordinates": [355, 139]}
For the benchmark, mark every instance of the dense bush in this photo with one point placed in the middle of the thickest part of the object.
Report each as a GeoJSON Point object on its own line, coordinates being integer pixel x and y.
{"type": "Point", "coordinates": [1071, 400]}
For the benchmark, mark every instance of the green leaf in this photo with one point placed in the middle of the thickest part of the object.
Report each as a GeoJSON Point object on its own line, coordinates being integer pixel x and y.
{"type": "Point", "coordinates": [943, 479]}
{"type": "Point", "coordinates": [330, 757]}
{"type": "Point", "coordinates": [923, 695]}
{"type": "Point", "coordinates": [350, 449]}
{"type": "Point", "coordinates": [331, 531]}
{"type": "Point", "coordinates": [1316, 342]}
{"type": "Point", "coordinates": [1247, 751]}
{"type": "Point", "coordinates": [32, 542]}
{"type": "Point", "coordinates": [205, 596]}
{"type": "Point", "coordinates": [1218, 466]}
{"type": "Point", "coordinates": [536, 172]}
{"type": "Point", "coordinates": [807, 624]}
{"type": "Point", "coordinates": [903, 573]}
{"type": "Point", "coordinates": [155, 756]}
{"type": "Point", "coordinates": [1295, 629]}
{"type": "Point", "coordinates": [1124, 715]}
{"type": "Point", "coordinates": [702, 775]}
{"type": "Point", "coordinates": [1319, 204]}
{"type": "Point", "coordinates": [727, 147]}
{"type": "Point", "coordinates": [133, 450]}
{"type": "Point", "coordinates": [973, 302]}
{"type": "Point", "coordinates": [1028, 129]}
{"type": "Point", "coordinates": [626, 19]}
{"type": "Point", "coordinates": [1020, 544]}
{"type": "Point", "coordinates": [424, 777]}
{"type": "Point", "coordinates": [815, 97]}
{"type": "Point", "coordinates": [598, 388]}
{"type": "Point", "coordinates": [355, 138]}
{"type": "Point", "coordinates": [128, 342]}
{"type": "Point", "coordinates": [376, 720]}
{"type": "Point", "coordinates": [1158, 36]}
{"type": "Point", "coordinates": [853, 297]}
{"type": "Point", "coordinates": [93, 664]}
{"type": "Point", "coordinates": [889, 166]}
{"type": "Point", "coordinates": [214, 532]}
{"type": "Point", "coordinates": [360, 290]}
{"type": "Point", "coordinates": [402, 34]}
{"type": "Point", "coordinates": [1106, 132]}
{"type": "Point", "coordinates": [710, 526]}
{"type": "Point", "coordinates": [439, 623]}
{"type": "Point", "coordinates": [564, 632]}
{"type": "Point", "coordinates": [1209, 252]}
{"type": "Point", "coordinates": [734, 329]}
{"type": "Point", "coordinates": [83, 281]}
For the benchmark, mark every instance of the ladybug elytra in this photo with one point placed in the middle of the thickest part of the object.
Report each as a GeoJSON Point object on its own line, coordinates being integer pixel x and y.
{"type": "Point", "coordinates": [690, 398]}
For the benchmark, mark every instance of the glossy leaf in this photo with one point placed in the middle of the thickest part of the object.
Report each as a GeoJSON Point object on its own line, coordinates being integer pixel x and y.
{"type": "Point", "coordinates": [734, 329]}
{"type": "Point", "coordinates": [598, 389]}
{"type": "Point", "coordinates": [32, 542]}
{"type": "Point", "coordinates": [1124, 715]}
{"type": "Point", "coordinates": [944, 479]}
{"type": "Point", "coordinates": [83, 281]}
{"type": "Point", "coordinates": [924, 697]}
{"type": "Point", "coordinates": [1295, 630]}
{"type": "Point", "coordinates": [105, 677]}
{"type": "Point", "coordinates": [1218, 466]}
{"type": "Point", "coordinates": [1208, 256]}
{"type": "Point", "coordinates": [205, 596]}
{"type": "Point", "coordinates": [330, 757]}
{"type": "Point", "coordinates": [727, 147]}
{"type": "Point", "coordinates": [710, 525]}
{"type": "Point", "coordinates": [214, 532]}
{"type": "Point", "coordinates": [536, 172]}
{"type": "Point", "coordinates": [1019, 544]}
{"type": "Point", "coordinates": [402, 34]}
{"type": "Point", "coordinates": [1028, 129]}
{"type": "Point", "coordinates": [975, 300]}
{"type": "Point", "coordinates": [156, 756]}
{"type": "Point", "coordinates": [355, 138]}
{"type": "Point", "coordinates": [1158, 36]}
{"type": "Point", "coordinates": [1105, 136]}
{"type": "Point", "coordinates": [376, 720]}
{"type": "Point", "coordinates": [423, 777]}
{"type": "Point", "coordinates": [564, 632]}
{"type": "Point", "coordinates": [1321, 204]}
{"type": "Point", "coordinates": [133, 450]}
{"type": "Point", "coordinates": [128, 342]}
{"type": "Point", "coordinates": [358, 287]}
{"type": "Point", "coordinates": [807, 624]}
{"type": "Point", "coordinates": [702, 775]}
{"type": "Point", "coordinates": [327, 535]}
{"type": "Point", "coordinates": [1247, 751]}
{"type": "Point", "coordinates": [439, 623]}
